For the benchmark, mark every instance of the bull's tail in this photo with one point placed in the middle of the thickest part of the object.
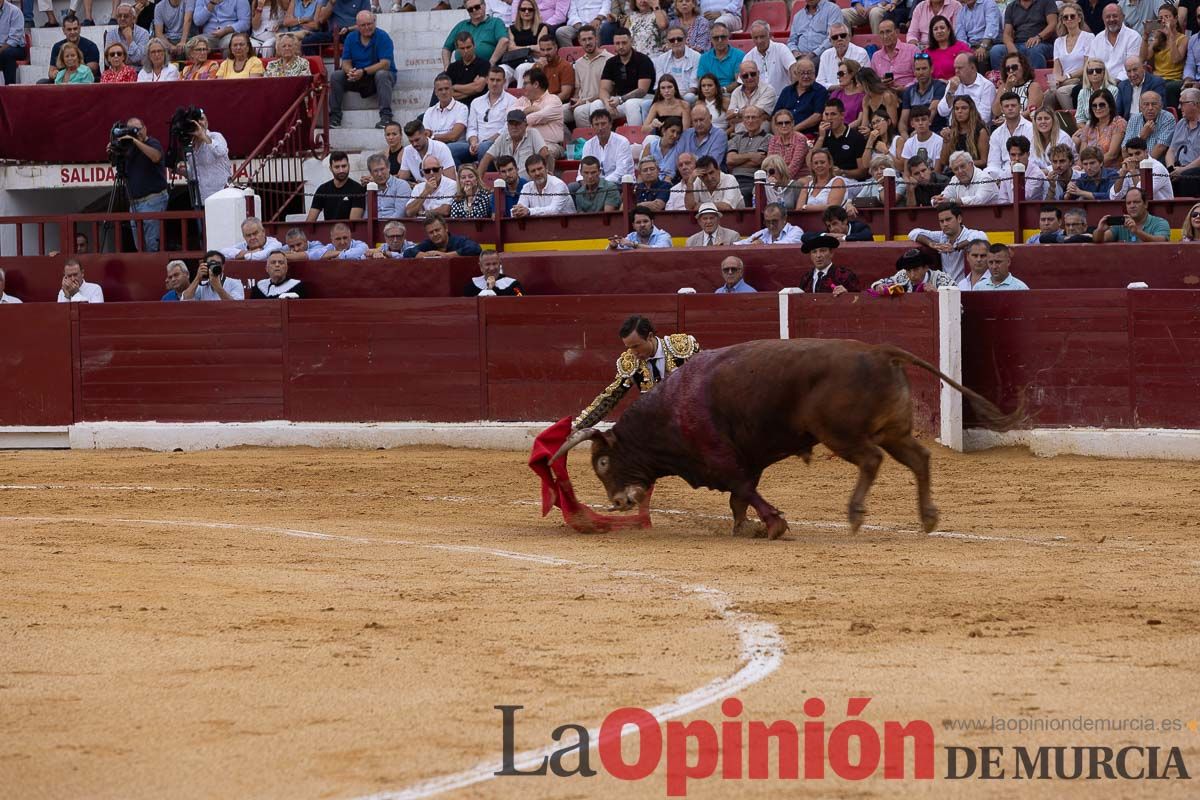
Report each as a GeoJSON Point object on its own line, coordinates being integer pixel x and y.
{"type": "Point", "coordinates": [990, 416]}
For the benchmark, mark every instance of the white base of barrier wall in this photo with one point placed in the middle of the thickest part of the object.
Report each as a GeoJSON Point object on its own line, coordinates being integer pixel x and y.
{"type": "Point", "coordinates": [1158, 443]}
{"type": "Point", "coordinates": [53, 437]}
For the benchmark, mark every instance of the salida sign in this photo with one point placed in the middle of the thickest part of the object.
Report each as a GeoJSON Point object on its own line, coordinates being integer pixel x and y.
{"type": "Point", "coordinates": [851, 750]}
{"type": "Point", "coordinates": [103, 173]}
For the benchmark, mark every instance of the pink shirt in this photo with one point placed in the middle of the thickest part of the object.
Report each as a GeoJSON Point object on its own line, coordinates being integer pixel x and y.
{"type": "Point", "coordinates": [900, 65]}
{"type": "Point", "coordinates": [918, 26]}
{"type": "Point", "coordinates": [941, 61]}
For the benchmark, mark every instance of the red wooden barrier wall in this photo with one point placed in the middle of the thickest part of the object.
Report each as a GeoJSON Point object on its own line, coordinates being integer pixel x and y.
{"type": "Point", "coordinates": [140, 277]}
{"type": "Point", "coordinates": [1105, 358]}
{"type": "Point", "coordinates": [1088, 357]}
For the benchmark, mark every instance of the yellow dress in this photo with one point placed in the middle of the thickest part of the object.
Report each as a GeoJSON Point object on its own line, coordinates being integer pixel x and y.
{"type": "Point", "coordinates": [251, 68]}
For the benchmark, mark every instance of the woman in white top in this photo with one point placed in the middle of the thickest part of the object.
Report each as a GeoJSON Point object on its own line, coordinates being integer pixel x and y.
{"type": "Point", "coordinates": [1070, 53]}
{"type": "Point", "coordinates": [265, 21]}
{"type": "Point", "coordinates": [823, 189]}
{"type": "Point", "coordinates": [158, 66]}
{"type": "Point", "coordinates": [1046, 133]}
{"type": "Point", "coordinates": [714, 98]}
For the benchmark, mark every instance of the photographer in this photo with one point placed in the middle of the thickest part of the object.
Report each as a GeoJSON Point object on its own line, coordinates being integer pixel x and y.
{"type": "Point", "coordinates": [210, 153]}
{"type": "Point", "coordinates": [140, 156]}
{"type": "Point", "coordinates": [211, 282]}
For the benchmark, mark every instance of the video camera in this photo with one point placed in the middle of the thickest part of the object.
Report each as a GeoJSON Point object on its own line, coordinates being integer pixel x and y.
{"type": "Point", "coordinates": [118, 148]}
{"type": "Point", "coordinates": [184, 124]}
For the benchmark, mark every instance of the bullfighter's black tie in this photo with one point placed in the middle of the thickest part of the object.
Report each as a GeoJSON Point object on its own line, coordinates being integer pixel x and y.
{"type": "Point", "coordinates": [654, 369]}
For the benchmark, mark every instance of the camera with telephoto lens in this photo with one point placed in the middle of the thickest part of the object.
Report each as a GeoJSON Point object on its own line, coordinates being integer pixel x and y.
{"type": "Point", "coordinates": [184, 124]}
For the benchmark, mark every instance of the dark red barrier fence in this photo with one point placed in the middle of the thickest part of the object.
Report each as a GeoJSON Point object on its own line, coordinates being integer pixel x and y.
{"type": "Point", "coordinates": [1103, 358]}
{"type": "Point", "coordinates": [450, 360]}
{"type": "Point", "coordinates": [140, 277]}
{"type": "Point", "coordinates": [37, 122]}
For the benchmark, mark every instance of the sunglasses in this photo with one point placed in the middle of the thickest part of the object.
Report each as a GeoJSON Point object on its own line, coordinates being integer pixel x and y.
{"type": "Point", "coordinates": [783, 122]}
{"type": "Point", "coordinates": [431, 170]}
{"type": "Point", "coordinates": [471, 9]}
{"type": "Point", "coordinates": [115, 54]}
{"type": "Point", "coordinates": [837, 37]}
{"type": "Point", "coordinates": [1013, 68]}
{"type": "Point", "coordinates": [841, 73]}
{"type": "Point", "coordinates": [719, 38]}
{"type": "Point", "coordinates": [921, 57]}
{"type": "Point", "coordinates": [730, 270]}
{"type": "Point", "coordinates": [1095, 71]}
{"type": "Point", "coordinates": [1070, 16]}
{"type": "Point", "coordinates": [675, 40]}
{"type": "Point", "coordinates": [749, 75]}
{"type": "Point", "coordinates": [1100, 105]}
{"type": "Point", "coordinates": [1195, 214]}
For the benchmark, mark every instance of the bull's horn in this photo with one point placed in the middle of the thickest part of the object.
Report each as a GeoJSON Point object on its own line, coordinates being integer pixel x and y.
{"type": "Point", "coordinates": [576, 438]}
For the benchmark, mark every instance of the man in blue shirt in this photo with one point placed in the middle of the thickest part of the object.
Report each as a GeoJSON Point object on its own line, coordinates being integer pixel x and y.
{"type": "Point", "coordinates": [219, 20]}
{"type": "Point", "coordinates": [345, 14]}
{"type": "Point", "coordinates": [810, 28]}
{"type": "Point", "coordinates": [12, 40]}
{"type": "Point", "coordinates": [722, 60]}
{"type": "Point", "coordinates": [999, 277]}
{"type": "Point", "coordinates": [979, 26]}
{"type": "Point", "coordinates": [368, 67]}
{"type": "Point", "coordinates": [732, 270]}
{"type": "Point", "coordinates": [703, 139]}
{"type": "Point", "coordinates": [513, 182]}
{"type": "Point", "coordinates": [178, 279]}
{"type": "Point", "coordinates": [651, 191]}
{"type": "Point", "coordinates": [644, 234]}
{"type": "Point", "coordinates": [806, 102]}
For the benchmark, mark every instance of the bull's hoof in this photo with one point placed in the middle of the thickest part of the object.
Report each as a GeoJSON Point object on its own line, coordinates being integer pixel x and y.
{"type": "Point", "coordinates": [929, 519]}
{"type": "Point", "coordinates": [776, 528]}
{"type": "Point", "coordinates": [750, 529]}
{"type": "Point", "coordinates": [857, 515]}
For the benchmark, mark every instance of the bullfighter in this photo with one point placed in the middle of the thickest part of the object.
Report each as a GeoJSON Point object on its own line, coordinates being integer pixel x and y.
{"type": "Point", "coordinates": [648, 359]}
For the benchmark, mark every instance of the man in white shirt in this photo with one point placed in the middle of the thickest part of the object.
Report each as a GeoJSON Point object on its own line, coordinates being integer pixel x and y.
{"type": "Point", "coordinates": [977, 252]}
{"type": "Point", "coordinates": [421, 145]}
{"type": "Point", "coordinates": [950, 241]}
{"type": "Point", "coordinates": [1012, 124]}
{"type": "Point", "coordinates": [5, 298]}
{"type": "Point", "coordinates": [778, 230]}
{"type": "Point", "coordinates": [1116, 43]}
{"type": "Point", "coordinates": [211, 284]}
{"type": "Point", "coordinates": [593, 13]}
{"type": "Point", "coordinates": [752, 91]}
{"type": "Point", "coordinates": [487, 115]}
{"type": "Point", "coordinates": [446, 120]}
{"type": "Point", "coordinates": [713, 186]}
{"type": "Point", "coordinates": [843, 49]}
{"type": "Point", "coordinates": [1129, 176]}
{"type": "Point", "coordinates": [588, 69]}
{"type": "Point", "coordinates": [435, 194]}
{"type": "Point", "coordinates": [77, 290]}
{"type": "Point", "coordinates": [969, 186]}
{"type": "Point", "coordinates": [612, 150]}
{"type": "Point", "coordinates": [968, 81]}
{"type": "Point", "coordinates": [685, 166]}
{"type": "Point", "coordinates": [544, 194]}
{"type": "Point", "coordinates": [1035, 179]}
{"type": "Point", "coordinates": [774, 59]}
{"type": "Point", "coordinates": [256, 245]}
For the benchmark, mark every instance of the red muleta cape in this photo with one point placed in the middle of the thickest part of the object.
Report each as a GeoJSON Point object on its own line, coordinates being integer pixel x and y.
{"type": "Point", "coordinates": [557, 489]}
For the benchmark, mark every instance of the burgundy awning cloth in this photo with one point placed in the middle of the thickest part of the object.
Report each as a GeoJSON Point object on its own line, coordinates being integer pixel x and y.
{"type": "Point", "coordinates": [70, 124]}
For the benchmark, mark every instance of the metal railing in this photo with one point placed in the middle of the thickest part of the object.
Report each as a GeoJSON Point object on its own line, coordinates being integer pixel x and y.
{"type": "Point", "coordinates": [275, 168]}
{"type": "Point", "coordinates": [34, 235]}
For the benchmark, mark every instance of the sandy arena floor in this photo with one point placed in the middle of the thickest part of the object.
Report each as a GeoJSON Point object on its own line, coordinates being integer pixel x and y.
{"type": "Point", "coordinates": [311, 624]}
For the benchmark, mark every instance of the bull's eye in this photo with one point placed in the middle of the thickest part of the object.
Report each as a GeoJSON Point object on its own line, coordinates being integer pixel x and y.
{"type": "Point", "coordinates": [602, 464]}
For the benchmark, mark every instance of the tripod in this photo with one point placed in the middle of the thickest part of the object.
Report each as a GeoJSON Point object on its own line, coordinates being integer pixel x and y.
{"type": "Point", "coordinates": [118, 188]}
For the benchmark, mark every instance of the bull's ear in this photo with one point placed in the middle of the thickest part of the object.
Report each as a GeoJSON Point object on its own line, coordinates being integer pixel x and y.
{"type": "Point", "coordinates": [610, 438]}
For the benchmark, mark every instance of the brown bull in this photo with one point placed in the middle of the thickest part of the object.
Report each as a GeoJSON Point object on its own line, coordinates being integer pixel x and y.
{"type": "Point", "coordinates": [733, 412]}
